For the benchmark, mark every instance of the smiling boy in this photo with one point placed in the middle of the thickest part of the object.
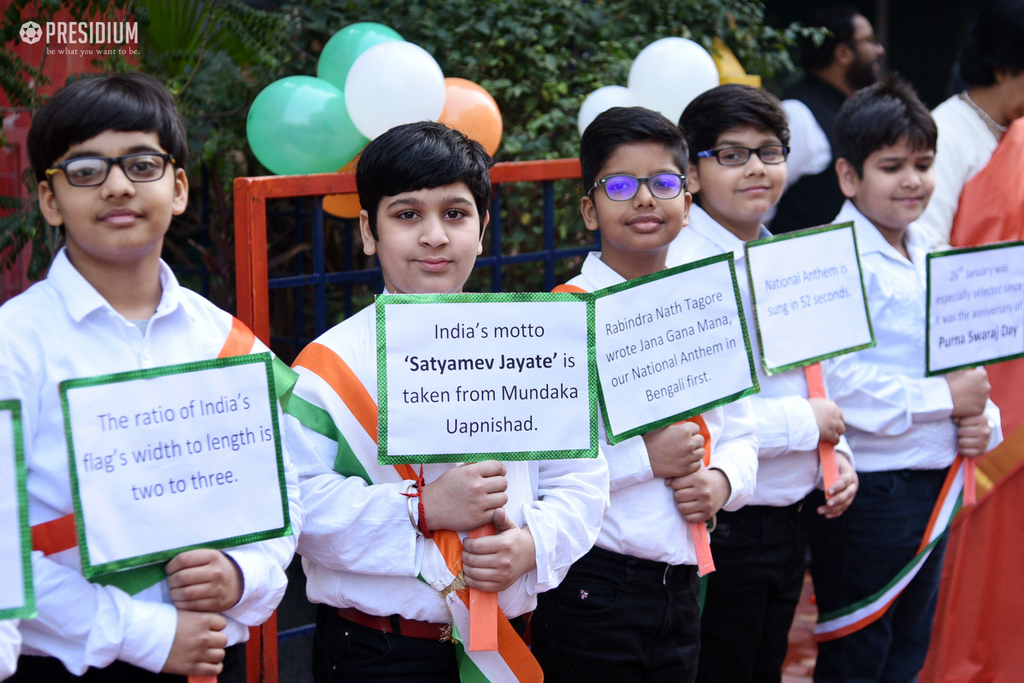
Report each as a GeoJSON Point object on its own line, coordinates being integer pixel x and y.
{"type": "Point", "coordinates": [629, 610]}
{"type": "Point", "coordinates": [904, 428]}
{"type": "Point", "coordinates": [369, 551]}
{"type": "Point", "coordinates": [738, 147]}
{"type": "Point", "coordinates": [109, 156]}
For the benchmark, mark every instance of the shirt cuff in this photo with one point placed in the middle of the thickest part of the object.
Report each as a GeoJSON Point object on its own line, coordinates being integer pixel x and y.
{"type": "Point", "coordinates": [803, 426]}
{"type": "Point", "coordinates": [930, 399]}
{"type": "Point", "coordinates": [263, 585]}
{"type": "Point", "coordinates": [628, 463]}
{"type": "Point", "coordinates": [738, 493]}
{"type": "Point", "coordinates": [149, 635]}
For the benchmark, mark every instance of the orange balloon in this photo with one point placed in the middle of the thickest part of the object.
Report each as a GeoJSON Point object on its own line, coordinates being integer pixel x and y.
{"type": "Point", "coordinates": [470, 109]}
{"type": "Point", "coordinates": [344, 205]}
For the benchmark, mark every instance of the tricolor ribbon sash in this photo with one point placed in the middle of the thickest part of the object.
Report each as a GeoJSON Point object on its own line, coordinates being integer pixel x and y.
{"type": "Point", "coordinates": [441, 568]}
{"type": "Point", "coordinates": [842, 622]}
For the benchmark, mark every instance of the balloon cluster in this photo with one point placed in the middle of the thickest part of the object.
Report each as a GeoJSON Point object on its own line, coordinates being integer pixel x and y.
{"type": "Point", "coordinates": [666, 76]}
{"type": "Point", "coordinates": [368, 80]}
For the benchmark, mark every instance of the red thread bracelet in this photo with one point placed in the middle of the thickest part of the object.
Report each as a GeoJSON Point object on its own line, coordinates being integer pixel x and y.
{"type": "Point", "coordinates": [423, 515]}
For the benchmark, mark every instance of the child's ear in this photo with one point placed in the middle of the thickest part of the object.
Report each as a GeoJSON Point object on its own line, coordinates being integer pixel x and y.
{"type": "Point", "coordinates": [483, 229]}
{"type": "Point", "coordinates": [692, 179]}
{"type": "Point", "coordinates": [589, 213]}
{"type": "Point", "coordinates": [48, 204]}
{"type": "Point", "coordinates": [180, 200]}
{"type": "Point", "coordinates": [849, 179]}
{"type": "Point", "coordinates": [369, 244]}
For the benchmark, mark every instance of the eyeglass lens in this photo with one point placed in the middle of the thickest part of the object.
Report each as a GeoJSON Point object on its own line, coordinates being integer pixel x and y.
{"type": "Point", "coordinates": [622, 188]}
{"type": "Point", "coordinates": [735, 156]}
{"type": "Point", "coordinates": [139, 168]}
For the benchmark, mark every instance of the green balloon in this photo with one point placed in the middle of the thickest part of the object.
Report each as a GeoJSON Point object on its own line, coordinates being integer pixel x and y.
{"type": "Point", "coordinates": [344, 46]}
{"type": "Point", "coordinates": [300, 125]}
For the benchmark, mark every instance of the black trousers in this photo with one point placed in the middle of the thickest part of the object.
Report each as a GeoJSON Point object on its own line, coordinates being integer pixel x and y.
{"type": "Point", "coordinates": [760, 560]}
{"type": "Point", "coordinates": [619, 618]}
{"type": "Point", "coordinates": [50, 670]}
{"type": "Point", "coordinates": [345, 651]}
{"type": "Point", "coordinates": [857, 554]}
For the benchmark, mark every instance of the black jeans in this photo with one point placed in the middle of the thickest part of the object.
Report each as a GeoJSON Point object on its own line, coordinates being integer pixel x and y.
{"type": "Point", "coordinates": [760, 559]}
{"type": "Point", "coordinates": [857, 554]}
{"type": "Point", "coordinates": [50, 670]}
{"type": "Point", "coordinates": [619, 618]}
{"type": "Point", "coordinates": [345, 651]}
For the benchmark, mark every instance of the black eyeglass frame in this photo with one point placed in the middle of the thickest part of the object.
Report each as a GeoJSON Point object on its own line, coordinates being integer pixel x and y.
{"type": "Point", "coordinates": [640, 181]}
{"type": "Point", "coordinates": [708, 153]}
{"type": "Point", "coordinates": [63, 166]}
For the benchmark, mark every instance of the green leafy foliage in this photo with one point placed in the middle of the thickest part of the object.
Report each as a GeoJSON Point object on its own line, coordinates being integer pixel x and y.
{"type": "Point", "coordinates": [539, 59]}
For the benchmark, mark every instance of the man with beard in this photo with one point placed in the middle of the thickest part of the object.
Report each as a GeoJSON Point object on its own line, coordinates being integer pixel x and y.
{"type": "Point", "coordinates": [849, 59]}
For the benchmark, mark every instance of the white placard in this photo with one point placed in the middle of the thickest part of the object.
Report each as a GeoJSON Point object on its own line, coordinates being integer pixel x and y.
{"type": "Point", "coordinates": [174, 458]}
{"type": "Point", "coordinates": [475, 376]}
{"type": "Point", "coordinates": [670, 346]}
{"type": "Point", "coordinates": [808, 297]}
{"type": "Point", "coordinates": [16, 593]}
{"type": "Point", "coordinates": [975, 306]}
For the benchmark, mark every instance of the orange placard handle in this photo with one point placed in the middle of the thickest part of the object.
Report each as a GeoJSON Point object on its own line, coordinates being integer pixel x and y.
{"type": "Point", "coordinates": [202, 679]}
{"type": "Point", "coordinates": [483, 608]}
{"type": "Point", "coordinates": [826, 450]}
{"type": "Point", "coordinates": [699, 530]}
{"type": "Point", "coordinates": [970, 482]}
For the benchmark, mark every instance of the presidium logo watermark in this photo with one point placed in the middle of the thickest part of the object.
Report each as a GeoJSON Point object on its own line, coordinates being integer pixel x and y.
{"type": "Point", "coordinates": [84, 37]}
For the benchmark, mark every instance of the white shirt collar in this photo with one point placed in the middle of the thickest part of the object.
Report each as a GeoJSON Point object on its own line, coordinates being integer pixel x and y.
{"type": "Point", "coordinates": [599, 273]}
{"type": "Point", "coordinates": [702, 223]}
{"type": "Point", "coordinates": [870, 239]}
{"type": "Point", "coordinates": [81, 298]}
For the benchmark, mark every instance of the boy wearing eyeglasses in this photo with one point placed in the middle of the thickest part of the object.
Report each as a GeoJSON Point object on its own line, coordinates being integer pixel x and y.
{"type": "Point", "coordinates": [629, 610]}
{"type": "Point", "coordinates": [109, 155]}
{"type": "Point", "coordinates": [737, 136]}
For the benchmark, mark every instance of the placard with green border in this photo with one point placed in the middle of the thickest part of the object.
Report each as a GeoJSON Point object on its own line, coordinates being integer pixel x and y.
{"type": "Point", "coordinates": [17, 594]}
{"type": "Point", "coordinates": [671, 345]}
{"type": "Point", "coordinates": [975, 307]}
{"type": "Point", "coordinates": [470, 377]}
{"type": "Point", "coordinates": [808, 298]}
{"type": "Point", "coordinates": [174, 458]}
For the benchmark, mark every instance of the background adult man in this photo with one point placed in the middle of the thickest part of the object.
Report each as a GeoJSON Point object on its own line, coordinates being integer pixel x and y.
{"type": "Point", "coordinates": [850, 58]}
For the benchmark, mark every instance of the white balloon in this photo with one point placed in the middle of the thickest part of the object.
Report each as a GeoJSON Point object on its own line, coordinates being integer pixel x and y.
{"type": "Point", "coordinates": [669, 73]}
{"type": "Point", "coordinates": [602, 100]}
{"type": "Point", "coordinates": [393, 83]}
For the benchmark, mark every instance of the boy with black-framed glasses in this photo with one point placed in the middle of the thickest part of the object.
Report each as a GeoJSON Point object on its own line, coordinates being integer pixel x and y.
{"type": "Point", "coordinates": [629, 610]}
{"type": "Point", "coordinates": [109, 154]}
{"type": "Point", "coordinates": [738, 138]}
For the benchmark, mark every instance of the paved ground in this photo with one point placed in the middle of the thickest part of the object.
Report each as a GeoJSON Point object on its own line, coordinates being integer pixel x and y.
{"type": "Point", "coordinates": [799, 666]}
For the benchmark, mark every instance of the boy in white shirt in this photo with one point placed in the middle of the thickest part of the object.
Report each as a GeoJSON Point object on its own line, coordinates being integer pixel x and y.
{"type": "Point", "coordinates": [629, 610]}
{"type": "Point", "coordinates": [737, 137]}
{"type": "Point", "coordinates": [380, 566]}
{"type": "Point", "coordinates": [109, 155]}
{"type": "Point", "coordinates": [904, 428]}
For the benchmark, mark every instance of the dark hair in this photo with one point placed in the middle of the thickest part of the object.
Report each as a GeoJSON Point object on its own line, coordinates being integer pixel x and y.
{"type": "Point", "coordinates": [418, 156]}
{"type": "Point", "coordinates": [839, 22]}
{"type": "Point", "coordinates": [120, 102]}
{"type": "Point", "coordinates": [995, 40]}
{"type": "Point", "coordinates": [880, 116]}
{"type": "Point", "coordinates": [620, 126]}
{"type": "Point", "coordinates": [731, 106]}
